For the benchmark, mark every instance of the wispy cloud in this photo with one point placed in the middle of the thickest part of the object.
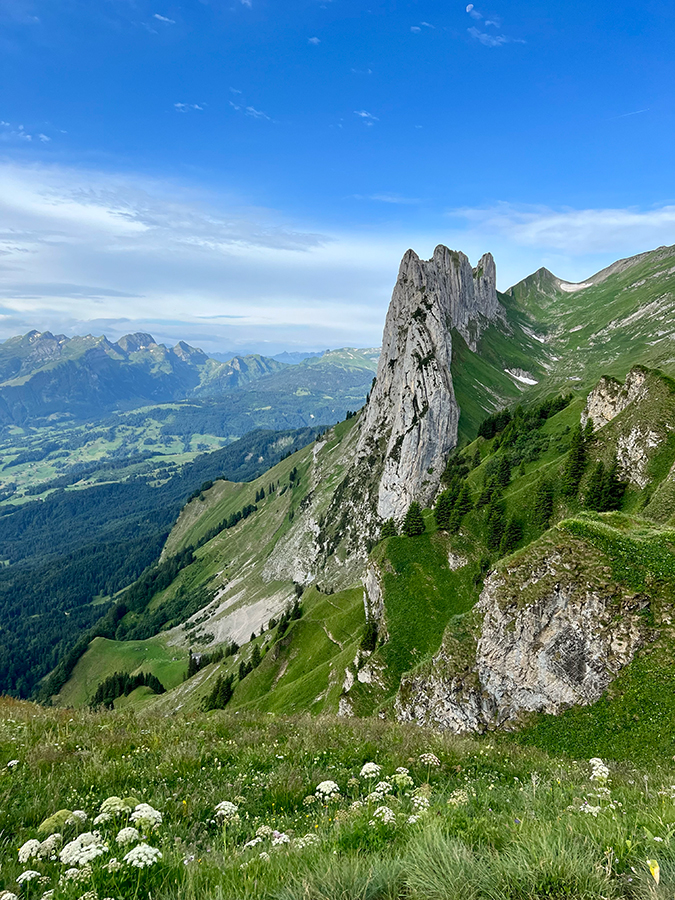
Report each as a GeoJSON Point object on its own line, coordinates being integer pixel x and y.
{"type": "Point", "coordinates": [427, 25]}
{"type": "Point", "coordinates": [10, 133]}
{"type": "Point", "coordinates": [415, 29]}
{"type": "Point", "coordinates": [186, 107]}
{"type": "Point", "coordinates": [473, 12]}
{"type": "Point", "coordinates": [362, 71]}
{"type": "Point", "coordinates": [637, 112]}
{"type": "Point", "coordinates": [313, 40]}
{"type": "Point", "coordinates": [388, 198]}
{"type": "Point", "coordinates": [164, 19]}
{"type": "Point", "coordinates": [368, 118]}
{"type": "Point", "coordinates": [575, 231]}
{"type": "Point", "coordinates": [250, 111]}
{"type": "Point", "coordinates": [248, 3]}
{"type": "Point", "coordinates": [489, 40]}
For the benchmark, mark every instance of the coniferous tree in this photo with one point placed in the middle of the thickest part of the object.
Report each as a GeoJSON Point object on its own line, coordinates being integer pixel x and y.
{"type": "Point", "coordinates": [512, 535]}
{"type": "Point", "coordinates": [413, 523]}
{"type": "Point", "coordinates": [543, 503]}
{"type": "Point", "coordinates": [594, 489]}
{"type": "Point", "coordinates": [496, 522]}
{"type": "Point", "coordinates": [613, 489]}
{"type": "Point", "coordinates": [464, 501]}
{"type": "Point", "coordinates": [575, 464]}
{"type": "Point", "coordinates": [388, 529]}
{"type": "Point", "coordinates": [443, 509]}
{"type": "Point", "coordinates": [476, 461]}
{"type": "Point", "coordinates": [256, 657]}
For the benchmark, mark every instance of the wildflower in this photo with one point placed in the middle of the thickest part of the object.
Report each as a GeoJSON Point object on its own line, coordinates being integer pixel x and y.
{"type": "Point", "coordinates": [83, 849]}
{"type": "Point", "coordinates": [128, 835]}
{"type": "Point", "coordinates": [264, 856]}
{"type": "Point", "coordinates": [458, 797]}
{"type": "Point", "coordinates": [327, 790]}
{"type": "Point", "coordinates": [115, 806]}
{"type": "Point", "coordinates": [654, 869]}
{"type": "Point", "coordinates": [382, 787]}
{"type": "Point", "coordinates": [309, 800]}
{"type": "Point", "coordinates": [77, 817]}
{"type": "Point", "coordinates": [102, 818]}
{"type": "Point", "coordinates": [264, 831]}
{"type": "Point", "coordinates": [384, 815]}
{"type": "Point", "coordinates": [146, 816]}
{"type": "Point", "coordinates": [370, 770]}
{"type": "Point", "coordinates": [28, 850]}
{"type": "Point", "coordinates": [591, 810]}
{"type": "Point", "coordinates": [309, 840]}
{"type": "Point", "coordinates": [420, 803]}
{"type": "Point", "coordinates": [8, 895]}
{"type": "Point", "coordinates": [353, 782]}
{"type": "Point", "coordinates": [357, 804]}
{"type": "Point", "coordinates": [89, 895]}
{"type": "Point", "coordinates": [429, 759]}
{"type": "Point", "coordinates": [47, 895]}
{"type": "Point", "coordinates": [83, 874]}
{"type": "Point", "coordinates": [253, 842]}
{"type": "Point", "coordinates": [28, 875]}
{"type": "Point", "coordinates": [375, 797]}
{"type": "Point", "coordinates": [113, 865]}
{"type": "Point", "coordinates": [401, 770]}
{"type": "Point", "coordinates": [13, 763]}
{"type": "Point", "coordinates": [279, 838]}
{"type": "Point", "coordinates": [402, 779]}
{"type": "Point", "coordinates": [412, 820]}
{"type": "Point", "coordinates": [142, 855]}
{"type": "Point", "coordinates": [227, 810]}
{"type": "Point", "coordinates": [49, 846]}
{"type": "Point", "coordinates": [599, 771]}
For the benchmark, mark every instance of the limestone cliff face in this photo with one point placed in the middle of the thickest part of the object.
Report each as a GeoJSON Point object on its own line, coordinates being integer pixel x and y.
{"type": "Point", "coordinates": [551, 632]}
{"type": "Point", "coordinates": [411, 422]}
{"type": "Point", "coordinates": [609, 397]}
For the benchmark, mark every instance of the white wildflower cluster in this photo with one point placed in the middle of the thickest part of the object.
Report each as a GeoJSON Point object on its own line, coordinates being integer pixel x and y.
{"type": "Point", "coordinates": [430, 759]}
{"type": "Point", "coordinates": [75, 876]}
{"type": "Point", "coordinates": [459, 797]}
{"type": "Point", "coordinates": [586, 807]}
{"type": "Point", "coordinates": [226, 810]}
{"type": "Point", "coordinates": [383, 815]}
{"type": "Point", "coordinates": [115, 806]}
{"type": "Point", "coordinates": [40, 849]}
{"type": "Point", "coordinates": [599, 771]}
{"type": "Point", "coordinates": [8, 895]}
{"type": "Point", "coordinates": [264, 831]}
{"type": "Point", "coordinates": [28, 850]}
{"type": "Point", "coordinates": [28, 875]}
{"type": "Point", "coordinates": [413, 820]}
{"type": "Point", "coordinates": [327, 790]}
{"type": "Point", "coordinates": [128, 835]}
{"type": "Point", "coordinates": [83, 849]}
{"type": "Point", "coordinates": [146, 816]}
{"type": "Point", "coordinates": [142, 856]}
{"type": "Point", "coordinates": [279, 838]}
{"type": "Point", "coordinates": [370, 770]}
{"type": "Point", "coordinates": [401, 778]}
{"type": "Point", "coordinates": [420, 802]}
{"type": "Point", "coordinates": [12, 764]}
{"type": "Point", "coordinates": [102, 819]}
{"type": "Point", "coordinates": [668, 793]}
{"type": "Point", "coordinates": [77, 817]}
{"type": "Point", "coordinates": [382, 787]}
{"type": "Point", "coordinates": [308, 840]}
{"type": "Point", "coordinates": [311, 798]}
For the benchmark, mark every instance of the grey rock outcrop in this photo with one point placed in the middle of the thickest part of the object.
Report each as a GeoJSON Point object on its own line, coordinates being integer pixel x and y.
{"type": "Point", "coordinates": [551, 635]}
{"type": "Point", "coordinates": [410, 424]}
{"type": "Point", "coordinates": [609, 397]}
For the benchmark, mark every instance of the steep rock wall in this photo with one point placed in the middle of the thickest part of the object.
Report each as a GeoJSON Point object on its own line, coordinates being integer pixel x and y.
{"type": "Point", "coordinates": [410, 423]}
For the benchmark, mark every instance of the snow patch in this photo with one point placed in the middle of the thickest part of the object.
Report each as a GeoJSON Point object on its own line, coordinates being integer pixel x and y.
{"type": "Point", "coordinates": [570, 288]}
{"type": "Point", "coordinates": [522, 376]}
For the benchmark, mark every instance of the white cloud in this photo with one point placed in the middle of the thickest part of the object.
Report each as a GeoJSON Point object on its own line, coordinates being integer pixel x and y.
{"type": "Point", "coordinates": [388, 198]}
{"type": "Point", "coordinates": [473, 12]}
{"type": "Point", "coordinates": [256, 113]}
{"type": "Point", "coordinates": [44, 138]}
{"type": "Point", "coordinates": [575, 231]}
{"type": "Point", "coordinates": [493, 40]}
{"type": "Point", "coordinates": [313, 40]}
{"type": "Point", "coordinates": [427, 25]}
{"type": "Point", "coordinates": [415, 29]}
{"type": "Point", "coordinates": [164, 19]}
{"type": "Point", "coordinates": [186, 107]}
{"type": "Point", "coordinates": [247, 3]}
{"type": "Point", "coordinates": [9, 132]}
{"type": "Point", "coordinates": [367, 117]}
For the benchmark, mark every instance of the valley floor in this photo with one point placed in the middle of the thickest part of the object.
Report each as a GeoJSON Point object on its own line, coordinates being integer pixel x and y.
{"type": "Point", "coordinates": [138, 803]}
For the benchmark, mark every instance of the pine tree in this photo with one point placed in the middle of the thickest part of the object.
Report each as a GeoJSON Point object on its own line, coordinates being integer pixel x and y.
{"type": "Point", "coordinates": [512, 535]}
{"type": "Point", "coordinates": [594, 490]}
{"type": "Point", "coordinates": [464, 501]}
{"type": "Point", "coordinates": [388, 529]}
{"type": "Point", "coordinates": [496, 523]}
{"type": "Point", "coordinates": [613, 489]}
{"type": "Point", "coordinates": [476, 461]}
{"type": "Point", "coordinates": [543, 503]}
{"type": "Point", "coordinates": [503, 473]}
{"type": "Point", "coordinates": [575, 465]}
{"type": "Point", "coordinates": [256, 657]}
{"type": "Point", "coordinates": [413, 523]}
{"type": "Point", "coordinates": [443, 509]}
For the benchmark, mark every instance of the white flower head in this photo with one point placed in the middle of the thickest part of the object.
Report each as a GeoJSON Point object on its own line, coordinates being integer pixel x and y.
{"type": "Point", "coordinates": [142, 856]}
{"type": "Point", "coordinates": [102, 818]}
{"type": "Point", "coordinates": [458, 797]}
{"type": "Point", "coordinates": [83, 849]}
{"type": "Point", "coordinates": [227, 810]}
{"type": "Point", "coordinates": [28, 875]}
{"type": "Point", "coordinates": [382, 787]}
{"type": "Point", "coordinates": [420, 802]}
{"type": "Point", "coordinates": [146, 816]}
{"type": "Point", "coordinates": [49, 846]}
{"type": "Point", "coordinates": [328, 790]}
{"type": "Point", "coordinates": [430, 759]}
{"type": "Point", "coordinates": [128, 835]}
{"type": "Point", "coordinates": [12, 764]}
{"type": "Point", "coordinates": [412, 820]}
{"type": "Point", "coordinates": [384, 815]}
{"type": "Point", "coordinates": [599, 771]}
{"type": "Point", "coordinates": [8, 895]}
{"type": "Point", "coordinates": [264, 856]}
{"type": "Point", "coordinates": [309, 840]}
{"type": "Point", "coordinates": [28, 850]}
{"type": "Point", "coordinates": [77, 817]}
{"type": "Point", "coordinates": [279, 838]}
{"type": "Point", "coordinates": [370, 770]}
{"type": "Point", "coordinates": [115, 806]}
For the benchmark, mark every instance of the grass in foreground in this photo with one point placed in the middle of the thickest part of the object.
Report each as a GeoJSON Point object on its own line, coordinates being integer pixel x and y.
{"type": "Point", "coordinates": [432, 816]}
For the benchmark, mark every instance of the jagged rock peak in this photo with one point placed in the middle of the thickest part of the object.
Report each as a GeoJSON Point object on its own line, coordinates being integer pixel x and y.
{"type": "Point", "coordinates": [410, 424]}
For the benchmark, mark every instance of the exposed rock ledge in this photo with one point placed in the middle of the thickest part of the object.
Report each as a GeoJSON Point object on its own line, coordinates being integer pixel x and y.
{"type": "Point", "coordinates": [549, 634]}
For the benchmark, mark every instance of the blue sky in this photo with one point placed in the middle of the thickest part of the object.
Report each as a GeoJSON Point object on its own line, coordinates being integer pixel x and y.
{"type": "Point", "coordinates": [248, 174]}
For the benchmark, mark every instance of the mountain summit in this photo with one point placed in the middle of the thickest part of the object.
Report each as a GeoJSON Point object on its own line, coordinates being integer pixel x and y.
{"type": "Point", "coordinates": [411, 421]}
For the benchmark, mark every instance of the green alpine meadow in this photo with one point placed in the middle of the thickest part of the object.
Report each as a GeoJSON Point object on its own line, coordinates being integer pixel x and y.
{"type": "Point", "coordinates": [392, 624]}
